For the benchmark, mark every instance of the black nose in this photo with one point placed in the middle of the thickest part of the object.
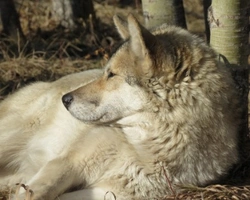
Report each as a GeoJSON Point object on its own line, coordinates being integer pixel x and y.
{"type": "Point", "coordinates": [67, 100]}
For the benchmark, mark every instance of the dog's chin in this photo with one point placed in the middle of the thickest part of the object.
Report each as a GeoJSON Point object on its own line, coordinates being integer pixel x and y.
{"type": "Point", "coordinates": [104, 118]}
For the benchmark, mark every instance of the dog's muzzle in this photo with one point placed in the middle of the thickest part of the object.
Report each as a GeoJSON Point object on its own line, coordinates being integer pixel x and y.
{"type": "Point", "coordinates": [67, 99]}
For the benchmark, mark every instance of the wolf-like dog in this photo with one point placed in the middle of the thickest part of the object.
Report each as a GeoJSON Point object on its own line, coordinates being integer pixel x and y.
{"type": "Point", "coordinates": [175, 103]}
{"type": "Point", "coordinates": [162, 114]}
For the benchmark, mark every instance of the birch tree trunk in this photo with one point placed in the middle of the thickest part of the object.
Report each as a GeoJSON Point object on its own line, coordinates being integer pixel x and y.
{"type": "Point", "coordinates": [68, 12]}
{"type": "Point", "coordinates": [158, 12]}
{"type": "Point", "coordinates": [63, 13]}
{"type": "Point", "coordinates": [229, 30]}
{"type": "Point", "coordinates": [229, 22]}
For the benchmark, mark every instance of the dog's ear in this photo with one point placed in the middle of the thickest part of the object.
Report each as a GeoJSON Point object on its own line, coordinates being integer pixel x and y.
{"type": "Point", "coordinates": [122, 27]}
{"type": "Point", "coordinates": [143, 44]}
{"type": "Point", "coordinates": [142, 41]}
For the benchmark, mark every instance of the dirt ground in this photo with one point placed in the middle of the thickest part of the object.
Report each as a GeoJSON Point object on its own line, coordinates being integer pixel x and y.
{"type": "Point", "coordinates": [52, 52]}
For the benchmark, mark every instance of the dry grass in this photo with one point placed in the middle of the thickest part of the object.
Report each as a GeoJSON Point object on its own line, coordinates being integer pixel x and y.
{"type": "Point", "coordinates": [17, 72]}
{"type": "Point", "coordinates": [212, 192]}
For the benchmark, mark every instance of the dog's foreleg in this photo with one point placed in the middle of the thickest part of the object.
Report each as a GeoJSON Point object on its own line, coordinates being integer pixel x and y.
{"type": "Point", "coordinates": [89, 194]}
{"type": "Point", "coordinates": [52, 180]}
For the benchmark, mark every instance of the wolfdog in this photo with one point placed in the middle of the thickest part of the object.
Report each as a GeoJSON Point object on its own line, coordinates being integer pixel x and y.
{"type": "Point", "coordinates": [175, 103]}
{"type": "Point", "coordinates": [161, 115]}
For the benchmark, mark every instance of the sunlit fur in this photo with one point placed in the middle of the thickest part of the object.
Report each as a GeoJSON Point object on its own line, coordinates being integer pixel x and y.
{"type": "Point", "coordinates": [174, 101]}
{"type": "Point", "coordinates": [163, 114]}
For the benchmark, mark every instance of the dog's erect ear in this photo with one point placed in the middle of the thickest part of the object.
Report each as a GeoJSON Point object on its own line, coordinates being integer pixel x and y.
{"type": "Point", "coordinates": [142, 41]}
{"type": "Point", "coordinates": [122, 27]}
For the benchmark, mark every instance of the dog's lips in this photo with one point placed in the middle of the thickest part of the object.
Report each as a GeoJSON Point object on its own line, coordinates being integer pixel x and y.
{"type": "Point", "coordinates": [101, 119]}
{"type": "Point", "coordinates": [88, 118]}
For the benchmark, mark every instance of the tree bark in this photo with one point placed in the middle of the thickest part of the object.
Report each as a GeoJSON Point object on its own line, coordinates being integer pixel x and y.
{"type": "Point", "coordinates": [10, 20]}
{"type": "Point", "coordinates": [83, 9]}
{"type": "Point", "coordinates": [229, 22]}
{"type": "Point", "coordinates": [229, 29]}
{"type": "Point", "coordinates": [63, 13]}
{"type": "Point", "coordinates": [206, 5]}
{"type": "Point", "coordinates": [68, 12]}
{"type": "Point", "coordinates": [158, 12]}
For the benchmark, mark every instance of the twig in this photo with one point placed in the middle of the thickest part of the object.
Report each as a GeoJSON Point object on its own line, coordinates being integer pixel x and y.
{"type": "Point", "coordinates": [169, 183]}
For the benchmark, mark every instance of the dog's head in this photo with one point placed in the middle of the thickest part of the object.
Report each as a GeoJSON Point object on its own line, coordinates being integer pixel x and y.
{"type": "Point", "coordinates": [118, 92]}
{"type": "Point", "coordinates": [141, 70]}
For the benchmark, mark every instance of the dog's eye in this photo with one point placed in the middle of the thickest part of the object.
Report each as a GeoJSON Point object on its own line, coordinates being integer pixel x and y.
{"type": "Point", "coordinates": [111, 74]}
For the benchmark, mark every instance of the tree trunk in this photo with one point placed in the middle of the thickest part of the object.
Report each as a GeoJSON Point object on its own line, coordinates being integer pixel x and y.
{"type": "Point", "coordinates": [83, 9]}
{"type": "Point", "coordinates": [206, 5]}
{"type": "Point", "coordinates": [158, 12]}
{"type": "Point", "coordinates": [70, 12]}
{"type": "Point", "coordinates": [63, 13]}
{"type": "Point", "coordinates": [10, 21]}
{"type": "Point", "coordinates": [229, 31]}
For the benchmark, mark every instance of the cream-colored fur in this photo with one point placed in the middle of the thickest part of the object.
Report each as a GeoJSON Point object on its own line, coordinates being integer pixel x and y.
{"type": "Point", "coordinates": [38, 138]}
{"type": "Point", "coordinates": [162, 114]}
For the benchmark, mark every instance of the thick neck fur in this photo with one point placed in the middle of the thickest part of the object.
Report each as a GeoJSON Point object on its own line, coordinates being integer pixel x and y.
{"type": "Point", "coordinates": [175, 120]}
{"type": "Point", "coordinates": [151, 135]}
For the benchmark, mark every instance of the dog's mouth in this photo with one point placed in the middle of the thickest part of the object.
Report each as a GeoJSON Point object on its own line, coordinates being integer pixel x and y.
{"type": "Point", "coordinates": [103, 118]}
{"type": "Point", "coordinates": [87, 118]}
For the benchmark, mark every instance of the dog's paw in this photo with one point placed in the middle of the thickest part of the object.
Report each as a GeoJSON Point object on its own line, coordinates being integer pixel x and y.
{"type": "Point", "coordinates": [23, 192]}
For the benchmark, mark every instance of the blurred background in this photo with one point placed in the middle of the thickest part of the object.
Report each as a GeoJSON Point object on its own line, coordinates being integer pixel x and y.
{"type": "Point", "coordinates": [57, 37]}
